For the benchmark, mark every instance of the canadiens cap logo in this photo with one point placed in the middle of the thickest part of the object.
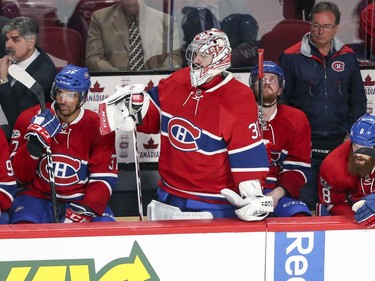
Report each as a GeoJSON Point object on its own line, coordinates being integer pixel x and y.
{"type": "Point", "coordinates": [338, 66]}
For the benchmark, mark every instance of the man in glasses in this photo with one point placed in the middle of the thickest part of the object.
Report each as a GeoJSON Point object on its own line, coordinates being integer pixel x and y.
{"type": "Point", "coordinates": [347, 175]}
{"type": "Point", "coordinates": [323, 79]}
{"type": "Point", "coordinates": [84, 162]}
{"type": "Point", "coordinates": [290, 152]}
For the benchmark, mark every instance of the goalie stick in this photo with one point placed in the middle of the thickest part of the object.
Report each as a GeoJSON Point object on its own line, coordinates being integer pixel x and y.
{"type": "Point", "coordinates": [26, 79]}
{"type": "Point", "coordinates": [136, 101]}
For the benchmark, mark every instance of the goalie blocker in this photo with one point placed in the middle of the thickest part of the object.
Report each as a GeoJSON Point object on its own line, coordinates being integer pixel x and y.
{"type": "Point", "coordinates": [124, 109]}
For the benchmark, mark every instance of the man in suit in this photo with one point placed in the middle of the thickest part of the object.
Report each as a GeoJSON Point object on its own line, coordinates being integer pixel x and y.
{"type": "Point", "coordinates": [108, 46]}
{"type": "Point", "coordinates": [21, 37]}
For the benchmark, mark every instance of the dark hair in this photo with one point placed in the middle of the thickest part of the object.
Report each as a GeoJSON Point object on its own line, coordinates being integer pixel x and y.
{"type": "Point", "coordinates": [25, 26]}
{"type": "Point", "coordinates": [327, 6]}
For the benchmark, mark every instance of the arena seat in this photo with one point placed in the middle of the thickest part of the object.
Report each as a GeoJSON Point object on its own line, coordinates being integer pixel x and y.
{"type": "Point", "coordinates": [10, 9]}
{"type": "Point", "coordinates": [81, 17]}
{"type": "Point", "coordinates": [63, 45]}
{"type": "Point", "coordinates": [285, 34]}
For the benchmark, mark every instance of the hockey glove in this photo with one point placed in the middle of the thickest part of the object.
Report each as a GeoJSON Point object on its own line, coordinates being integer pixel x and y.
{"type": "Point", "coordinates": [78, 213]}
{"type": "Point", "coordinates": [365, 211]}
{"type": "Point", "coordinates": [123, 109]}
{"type": "Point", "coordinates": [44, 126]}
{"type": "Point", "coordinates": [252, 204]}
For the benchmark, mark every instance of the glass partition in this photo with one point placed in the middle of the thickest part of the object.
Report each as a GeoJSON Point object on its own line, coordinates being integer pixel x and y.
{"type": "Point", "coordinates": [70, 31]}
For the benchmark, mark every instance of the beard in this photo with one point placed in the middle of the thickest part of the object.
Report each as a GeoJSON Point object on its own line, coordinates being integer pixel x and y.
{"type": "Point", "coordinates": [269, 96]}
{"type": "Point", "coordinates": [360, 169]}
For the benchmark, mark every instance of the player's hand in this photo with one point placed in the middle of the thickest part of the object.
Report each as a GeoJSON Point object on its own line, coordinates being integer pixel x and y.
{"type": "Point", "coordinates": [123, 109]}
{"type": "Point", "coordinates": [44, 126]}
{"type": "Point", "coordinates": [365, 211]}
{"type": "Point", "coordinates": [252, 204]}
{"type": "Point", "coordinates": [78, 213]}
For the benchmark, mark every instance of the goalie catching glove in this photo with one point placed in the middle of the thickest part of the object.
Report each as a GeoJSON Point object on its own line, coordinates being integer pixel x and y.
{"type": "Point", "coordinates": [365, 211]}
{"type": "Point", "coordinates": [121, 110]}
{"type": "Point", "coordinates": [252, 204]}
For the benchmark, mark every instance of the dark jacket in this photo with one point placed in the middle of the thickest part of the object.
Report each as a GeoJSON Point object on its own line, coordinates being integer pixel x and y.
{"type": "Point", "coordinates": [17, 98]}
{"type": "Point", "coordinates": [328, 89]}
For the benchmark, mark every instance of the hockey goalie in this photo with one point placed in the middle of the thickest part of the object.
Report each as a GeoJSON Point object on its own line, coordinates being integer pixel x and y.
{"type": "Point", "coordinates": [213, 160]}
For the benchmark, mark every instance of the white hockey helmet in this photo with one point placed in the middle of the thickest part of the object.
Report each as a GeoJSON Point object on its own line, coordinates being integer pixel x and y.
{"type": "Point", "coordinates": [210, 42]}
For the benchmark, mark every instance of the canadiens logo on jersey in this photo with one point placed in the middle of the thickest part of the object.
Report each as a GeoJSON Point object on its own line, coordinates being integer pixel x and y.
{"type": "Point", "coordinates": [338, 66]}
{"type": "Point", "coordinates": [66, 170]}
{"type": "Point", "coordinates": [183, 135]}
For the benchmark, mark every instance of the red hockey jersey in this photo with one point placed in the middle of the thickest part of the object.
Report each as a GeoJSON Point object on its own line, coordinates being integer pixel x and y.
{"type": "Point", "coordinates": [338, 189]}
{"type": "Point", "coordinates": [210, 137]}
{"type": "Point", "coordinates": [8, 185]}
{"type": "Point", "coordinates": [289, 132]}
{"type": "Point", "coordinates": [84, 161]}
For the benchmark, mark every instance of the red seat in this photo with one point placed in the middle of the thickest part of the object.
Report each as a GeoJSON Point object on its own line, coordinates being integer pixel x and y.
{"type": "Point", "coordinates": [285, 34]}
{"type": "Point", "coordinates": [80, 20]}
{"type": "Point", "coordinates": [64, 45]}
{"type": "Point", "coordinates": [10, 10]}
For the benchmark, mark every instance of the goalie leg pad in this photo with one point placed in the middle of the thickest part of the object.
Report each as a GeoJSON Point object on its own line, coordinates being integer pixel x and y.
{"type": "Point", "coordinates": [160, 211]}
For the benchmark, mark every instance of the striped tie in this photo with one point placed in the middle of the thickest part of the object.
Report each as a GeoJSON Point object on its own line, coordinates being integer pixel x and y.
{"type": "Point", "coordinates": [136, 50]}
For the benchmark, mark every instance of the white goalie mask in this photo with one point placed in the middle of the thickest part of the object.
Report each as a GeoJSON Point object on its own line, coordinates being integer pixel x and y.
{"type": "Point", "coordinates": [209, 43]}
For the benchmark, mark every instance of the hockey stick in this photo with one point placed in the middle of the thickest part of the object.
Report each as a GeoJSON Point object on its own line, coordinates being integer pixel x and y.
{"type": "Point", "coordinates": [260, 84]}
{"type": "Point", "coordinates": [136, 104]}
{"type": "Point", "coordinates": [26, 79]}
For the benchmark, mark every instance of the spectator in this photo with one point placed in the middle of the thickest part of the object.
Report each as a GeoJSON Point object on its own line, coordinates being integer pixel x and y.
{"type": "Point", "coordinates": [290, 153]}
{"type": "Point", "coordinates": [204, 151]}
{"type": "Point", "coordinates": [195, 20]}
{"type": "Point", "coordinates": [108, 45]}
{"type": "Point", "coordinates": [323, 80]}
{"type": "Point", "coordinates": [8, 185]}
{"type": "Point", "coordinates": [84, 161]}
{"type": "Point", "coordinates": [347, 174]}
{"type": "Point", "coordinates": [21, 42]}
{"type": "Point", "coordinates": [242, 30]}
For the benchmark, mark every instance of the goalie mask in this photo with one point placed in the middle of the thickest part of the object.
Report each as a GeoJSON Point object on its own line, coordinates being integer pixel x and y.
{"type": "Point", "coordinates": [72, 78]}
{"type": "Point", "coordinates": [212, 45]}
{"type": "Point", "coordinates": [363, 131]}
{"type": "Point", "coordinates": [268, 67]}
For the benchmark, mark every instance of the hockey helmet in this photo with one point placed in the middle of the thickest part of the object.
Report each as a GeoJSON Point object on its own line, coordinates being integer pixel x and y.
{"type": "Point", "coordinates": [210, 42]}
{"type": "Point", "coordinates": [363, 131]}
{"type": "Point", "coordinates": [268, 67]}
{"type": "Point", "coordinates": [72, 78]}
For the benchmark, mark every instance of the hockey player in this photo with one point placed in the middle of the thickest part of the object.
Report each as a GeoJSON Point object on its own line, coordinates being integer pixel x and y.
{"type": "Point", "coordinates": [290, 152]}
{"type": "Point", "coordinates": [211, 147]}
{"type": "Point", "coordinates": [84, 161]}
{"type": "Point", "coordinates": [347, 174]}
{"type": "Point", "coordinates": [8, 185]}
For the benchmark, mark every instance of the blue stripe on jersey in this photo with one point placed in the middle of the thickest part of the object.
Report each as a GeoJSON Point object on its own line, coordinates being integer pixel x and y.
{"type": "Point", "coordinates": [8, 188]}
{"type": "Point", "coordinates": [249, 158]}
{"type": "Point", "coordinates": [303, 168]}
{"type": "Point", "coordinates": [109, 179]}
{"type": "Point", "coordinates": [153, 93]}
{"type": "Point", "coordinates": [187, 137]}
